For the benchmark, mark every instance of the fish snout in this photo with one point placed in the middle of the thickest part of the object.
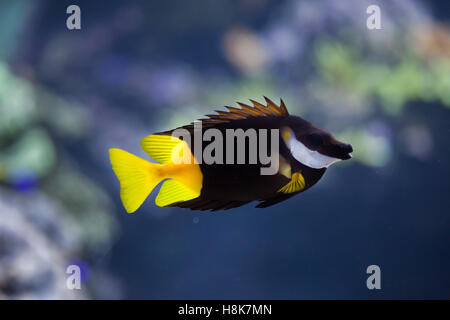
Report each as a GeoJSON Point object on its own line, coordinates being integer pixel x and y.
{"type": "Point", "coordinates": [348, 149]}
{"type": "Point", "coordinates": [342, 150]}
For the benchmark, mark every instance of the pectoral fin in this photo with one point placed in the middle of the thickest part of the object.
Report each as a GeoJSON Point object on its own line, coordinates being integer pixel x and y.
{"type": "Point", "coordinates": [296, 184]}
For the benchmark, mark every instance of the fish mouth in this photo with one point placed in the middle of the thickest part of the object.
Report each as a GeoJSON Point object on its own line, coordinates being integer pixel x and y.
{"type": "Point", "coordinates": [348, 152]}
{"type": "Point", "coordinates": [347, 156]}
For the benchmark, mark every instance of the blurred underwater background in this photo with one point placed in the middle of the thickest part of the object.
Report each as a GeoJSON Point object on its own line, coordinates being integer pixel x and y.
{"type": "Point", "coordinates": [137, 67]}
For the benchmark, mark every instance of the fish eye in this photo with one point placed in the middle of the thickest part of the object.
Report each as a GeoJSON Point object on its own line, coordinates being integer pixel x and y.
{"type": "Point", "coordinates": [315, 141]}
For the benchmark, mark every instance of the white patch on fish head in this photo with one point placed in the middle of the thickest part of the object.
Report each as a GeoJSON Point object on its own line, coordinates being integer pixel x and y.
{"type": "Point", "coordinates": [310, 158]}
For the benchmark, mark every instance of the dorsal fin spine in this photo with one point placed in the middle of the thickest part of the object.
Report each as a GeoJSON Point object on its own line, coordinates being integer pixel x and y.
{"type": "Point", "coordinates": [230, 114]}
{"type": "Point", "coordinates": [262, 108]}
{"type": "Point", "coordinates": [283, 108]}
{"type": "Point", "coordinates": [239, 111]}
{"type": "Point", "coordinates": [253, 111]}
{"type": "Point", "coordinates": [246, 111]}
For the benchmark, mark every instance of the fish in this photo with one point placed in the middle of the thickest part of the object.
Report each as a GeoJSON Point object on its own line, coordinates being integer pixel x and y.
{"type": "Point", "coordinates": [300, 153]}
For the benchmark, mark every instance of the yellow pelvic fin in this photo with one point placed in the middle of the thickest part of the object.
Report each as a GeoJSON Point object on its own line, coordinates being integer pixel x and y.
{"type": "Point", "coordinates": [297, 183]}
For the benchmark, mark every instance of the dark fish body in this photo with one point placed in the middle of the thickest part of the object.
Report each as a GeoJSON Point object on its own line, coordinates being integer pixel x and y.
{"type": "Point", "coordinates": [244, 183]}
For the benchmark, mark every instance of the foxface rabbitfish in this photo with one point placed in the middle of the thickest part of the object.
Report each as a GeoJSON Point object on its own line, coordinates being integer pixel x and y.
{"type": "Point", "coordinates": [231, 180]}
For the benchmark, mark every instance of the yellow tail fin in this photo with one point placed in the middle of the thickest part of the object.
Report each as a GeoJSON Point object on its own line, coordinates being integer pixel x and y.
{"type": "Point", "coordinates": [137, 177]}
